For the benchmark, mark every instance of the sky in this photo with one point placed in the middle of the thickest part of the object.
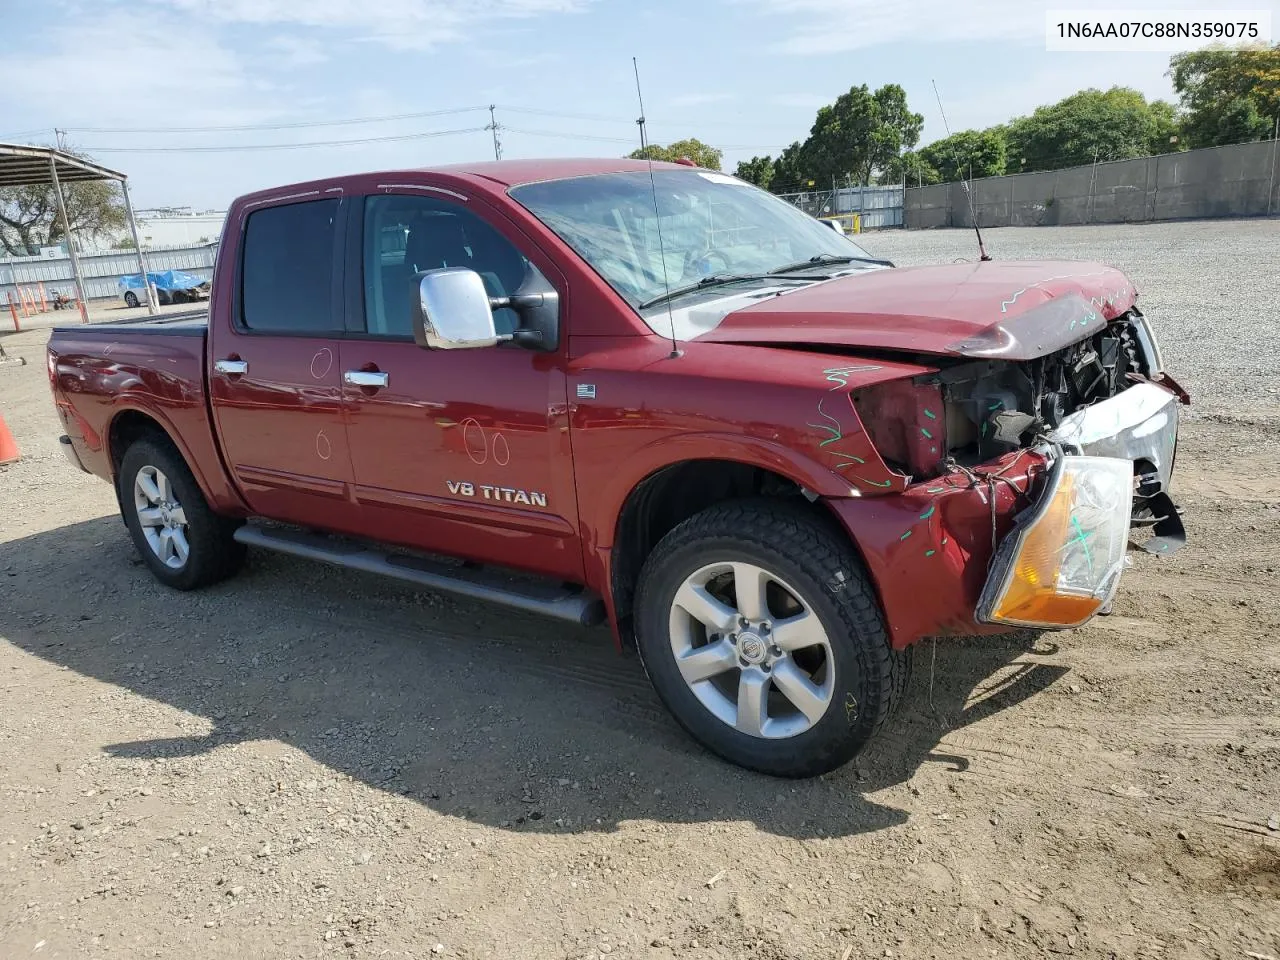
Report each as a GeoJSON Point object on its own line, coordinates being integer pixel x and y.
{"type": "Point", "coordinates": [744, 75]}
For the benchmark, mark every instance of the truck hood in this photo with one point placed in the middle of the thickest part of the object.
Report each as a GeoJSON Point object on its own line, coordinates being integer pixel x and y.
{"type": "Point", "coordinates": [1016, 310]}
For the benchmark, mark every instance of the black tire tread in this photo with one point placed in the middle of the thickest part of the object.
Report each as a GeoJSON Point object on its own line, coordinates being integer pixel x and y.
{"type": "Point", "coordinates": [794, 532]}
{"type": "Point", "coordinates": [215, 554]}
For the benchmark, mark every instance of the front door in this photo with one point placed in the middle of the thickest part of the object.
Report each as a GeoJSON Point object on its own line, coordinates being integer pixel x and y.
{"type": "Point", "coordinates": [462, 452]}
{"type": "Point", "coordinates": [275, 382]}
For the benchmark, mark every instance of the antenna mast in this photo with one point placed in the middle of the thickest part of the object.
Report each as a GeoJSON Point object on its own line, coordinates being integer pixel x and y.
{"type": "Point", "coordinates": [657, 214]}
{"type": "Point", "coordinates": [982, 251]}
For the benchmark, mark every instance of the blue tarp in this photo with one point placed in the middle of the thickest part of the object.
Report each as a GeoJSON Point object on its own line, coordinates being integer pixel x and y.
{"type": "Point", "coordinates": [166, 280]}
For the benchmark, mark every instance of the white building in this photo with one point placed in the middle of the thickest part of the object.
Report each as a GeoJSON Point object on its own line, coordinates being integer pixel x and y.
{"type": "Point", "coordinates": [179, 227]}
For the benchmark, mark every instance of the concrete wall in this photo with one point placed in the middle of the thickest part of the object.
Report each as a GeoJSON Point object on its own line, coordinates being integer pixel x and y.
{"type": "Point", "coordinates": [1236, 181]}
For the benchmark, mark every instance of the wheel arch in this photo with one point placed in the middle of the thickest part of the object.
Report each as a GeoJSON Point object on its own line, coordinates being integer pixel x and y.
{"type": "Point", "coordinates": [129, 424]}
{"type": "Point", "coordinates": [672, 493]}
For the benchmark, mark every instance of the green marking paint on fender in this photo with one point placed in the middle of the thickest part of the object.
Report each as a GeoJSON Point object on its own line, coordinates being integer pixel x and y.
{"type": "Point", "coordinates": [928, 513]}
{"type": "Point", "coordinates": [928, 435]}
{"type": "Point", "coordinates": [930, 414]}
{"type": "Point", "coordinates": [930, 553]}
{"type": "Point", "coordinates": [905, 535]}
{"type": "Point", "coordinates": [935, 489]}
{"type": "Point", "coordinates": [874, 483]}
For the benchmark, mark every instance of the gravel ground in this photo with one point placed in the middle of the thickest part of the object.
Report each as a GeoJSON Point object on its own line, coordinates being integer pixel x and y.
{"type": "Point", "coordinates": [303, 762]}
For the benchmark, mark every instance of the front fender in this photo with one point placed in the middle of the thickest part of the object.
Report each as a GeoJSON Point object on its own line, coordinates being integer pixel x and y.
{"type": "Point", "coordinates": [797, 466]}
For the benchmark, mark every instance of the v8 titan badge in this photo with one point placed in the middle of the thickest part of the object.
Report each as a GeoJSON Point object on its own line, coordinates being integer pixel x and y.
{"type": "Point", "coordinates": [503, 494]}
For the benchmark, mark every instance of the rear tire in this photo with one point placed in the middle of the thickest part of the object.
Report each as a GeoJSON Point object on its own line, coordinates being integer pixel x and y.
{"type": "Point", "coordinates": [131, 299]}
{"type": "Point", "coordinates": [183, 542]}
{"type": "Point", "coordinates": [794, 683]}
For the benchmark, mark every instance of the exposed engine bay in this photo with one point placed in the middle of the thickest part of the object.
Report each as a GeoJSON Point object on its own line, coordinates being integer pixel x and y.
{"type": "Point", "coordinates": [974, 410]}
{"type": "Point", "coordinates": [994, 407]}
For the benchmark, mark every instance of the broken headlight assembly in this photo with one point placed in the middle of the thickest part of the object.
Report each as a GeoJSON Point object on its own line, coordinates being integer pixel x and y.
{"type": "Point", "coordinates": [1061, 563]}
{"type": "Point", "coordinates": [1148, 345]}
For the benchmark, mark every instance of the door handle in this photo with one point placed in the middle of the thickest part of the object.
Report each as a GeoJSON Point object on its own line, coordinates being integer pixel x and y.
{"type": "Point", "coordinates": [366, 378]}
{"type": "Point", "coordinates": [231, 367]}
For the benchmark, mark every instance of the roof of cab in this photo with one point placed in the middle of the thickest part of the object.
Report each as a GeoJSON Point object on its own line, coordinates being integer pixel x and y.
{"type": "Point", "coordinates": [504, 173]}
{"type": "Point", "coordinates": [511, 173]}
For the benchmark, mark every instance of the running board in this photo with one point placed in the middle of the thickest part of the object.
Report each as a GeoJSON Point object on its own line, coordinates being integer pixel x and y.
{"type": "Point", "coordinates": [574, 604]}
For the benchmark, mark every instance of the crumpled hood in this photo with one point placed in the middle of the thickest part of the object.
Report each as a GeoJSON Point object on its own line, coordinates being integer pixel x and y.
{"type": "Point", "coordinates": [1012, 309]}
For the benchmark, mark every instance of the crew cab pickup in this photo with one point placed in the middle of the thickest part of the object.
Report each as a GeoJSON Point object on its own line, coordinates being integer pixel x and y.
{"type": "Point", "coordinates": [650, 396]}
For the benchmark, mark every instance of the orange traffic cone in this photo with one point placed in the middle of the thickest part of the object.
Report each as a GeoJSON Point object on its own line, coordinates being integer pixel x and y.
{"type": "Point", "coordinates": [8, 446]}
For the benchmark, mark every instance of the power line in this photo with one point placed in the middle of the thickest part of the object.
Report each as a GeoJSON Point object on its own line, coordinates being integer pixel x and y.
{"type": "Point", "coordinates": [278, 126]}
{"type": "Point", "coordinates": [568, 136]}
{"type": "Point", "coordinates": [286, 146]}
{"type": "Point", "coordinates": [565, 135]}
{"type": "Point", "coordinates": [11, 137]}
{"type": "Point", "coordinates": [599, 118]}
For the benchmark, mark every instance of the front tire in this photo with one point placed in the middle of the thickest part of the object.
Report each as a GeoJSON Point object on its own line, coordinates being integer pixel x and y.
{"type": "Point", "coordinates": [762, 635]}
{"type": "Point", "coordinates": [131, 299]}
{"type": "Point", "coordinates": [183, 542]}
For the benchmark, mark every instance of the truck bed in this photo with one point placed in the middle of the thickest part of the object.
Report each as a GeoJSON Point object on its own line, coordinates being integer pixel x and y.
{"type": "Point", "coordinates": [187, 323]}
{"type": "Point", "coordinates": [111, 378]}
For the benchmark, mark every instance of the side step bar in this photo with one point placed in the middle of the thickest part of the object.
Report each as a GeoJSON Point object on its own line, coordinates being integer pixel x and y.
{"type": "Point", "coordinates": [574, 604]}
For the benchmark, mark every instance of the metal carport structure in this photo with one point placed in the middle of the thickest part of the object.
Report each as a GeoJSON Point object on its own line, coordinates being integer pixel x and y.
{"type": "Point", "coordinates": [22, 166]}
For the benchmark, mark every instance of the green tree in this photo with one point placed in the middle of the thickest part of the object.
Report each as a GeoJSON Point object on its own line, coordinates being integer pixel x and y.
{"type": "Point", "coordinates": [898, 129]}
{"type": "Point", "coordinates": [1114, 124]}
{"type": "Point", "coordinates": [791, 170]}
{"type": "Point", "coordinates": [1227, 96]}
{"type": "Point", "coordinates": [757, 170]}
{"type": "Point", "coordinates": [969, 153]}
{"type": "Point", "coordinates": [860, 133]}
{"type": "Point", "coordinates": [29, 215]}
{"type": "Point", "coordinates": [693, 149]}
{"type": "Point", "coordinates": [1166, 131]}
{"type": "Point", "coordinates": [911, 168]}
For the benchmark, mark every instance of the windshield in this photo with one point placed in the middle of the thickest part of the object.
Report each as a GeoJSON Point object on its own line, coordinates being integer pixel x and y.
{"type": "Point", "coordinates": [712, 225]}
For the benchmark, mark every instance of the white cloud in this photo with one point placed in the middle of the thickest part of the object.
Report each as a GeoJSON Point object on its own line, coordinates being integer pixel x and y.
{"type": "Point", "coordinates": [297, 51]}
{"type": "Point", "coordinates": [124, 68]}
{"type": "Point", "coordinates": [699, 99]}
{"type": "Point", "coordinates": [399, 24]}
{"type": "Point", "coordinates": [840, 26]}
{"type": "Point", "coordinates": [801, 101]}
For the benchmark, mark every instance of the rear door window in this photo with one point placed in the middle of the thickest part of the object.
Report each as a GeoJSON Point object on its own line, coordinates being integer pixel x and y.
{"type": "Point", "coordinates": [287, 269]}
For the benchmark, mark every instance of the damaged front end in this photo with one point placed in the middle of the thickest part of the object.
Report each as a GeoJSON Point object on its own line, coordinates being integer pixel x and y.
{"type": "Point", "coordinates": [1032, 451]}
{"type": "Point", "coordinates": [1060, 375]}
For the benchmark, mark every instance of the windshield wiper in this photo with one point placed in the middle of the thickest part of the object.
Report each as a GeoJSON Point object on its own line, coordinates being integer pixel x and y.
{"type": "Point", "coordinates": [825, 258]}
{"type": "Point", "coordinates": [713, 280]}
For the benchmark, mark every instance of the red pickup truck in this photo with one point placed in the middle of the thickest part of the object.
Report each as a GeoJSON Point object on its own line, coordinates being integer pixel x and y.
{"type": "Point", "coordinates": [654, 397]}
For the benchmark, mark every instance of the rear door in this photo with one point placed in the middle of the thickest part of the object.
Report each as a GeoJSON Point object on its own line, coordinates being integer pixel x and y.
{"type": "Point", "coordinates": [275, 382]}
{"type": "Point", "coordinates": [462, 452]}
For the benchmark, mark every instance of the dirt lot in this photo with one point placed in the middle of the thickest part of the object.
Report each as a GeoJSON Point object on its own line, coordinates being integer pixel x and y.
{"type": "Point", "coordinates": [303, 762]}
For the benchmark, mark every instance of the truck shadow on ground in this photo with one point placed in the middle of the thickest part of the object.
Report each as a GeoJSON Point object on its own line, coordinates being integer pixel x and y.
{"type": "Point", "coordinates": [507, 720]}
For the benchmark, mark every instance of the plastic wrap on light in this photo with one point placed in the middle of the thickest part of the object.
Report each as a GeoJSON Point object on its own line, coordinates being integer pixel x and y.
{"type": "Point", "coordinates": [1062, 562]}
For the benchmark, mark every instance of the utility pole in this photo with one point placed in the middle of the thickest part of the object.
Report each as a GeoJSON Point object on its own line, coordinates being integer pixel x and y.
{"type": "Point", "coordinates": [1093, 179]}
{"type": "Point", "coordinates": [57, 137]}
{"type": "Point", "coordinates": [493, 125]}
{"type": "Point", "coordinates": [1271, 188]}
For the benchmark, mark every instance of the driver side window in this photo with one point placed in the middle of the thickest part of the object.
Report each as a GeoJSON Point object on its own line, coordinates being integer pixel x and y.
{"type": "Point", "coordinates": [406, 235]}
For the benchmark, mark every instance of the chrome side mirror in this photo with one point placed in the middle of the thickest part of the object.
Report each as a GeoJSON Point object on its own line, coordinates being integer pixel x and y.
{"type": "Point", "coordinates": [453, 311]}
